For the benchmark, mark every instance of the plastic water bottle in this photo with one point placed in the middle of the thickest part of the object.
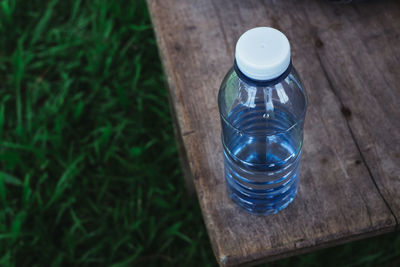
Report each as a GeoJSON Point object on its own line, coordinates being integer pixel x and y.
{"type": "Point", "coordinates": [262, 105]}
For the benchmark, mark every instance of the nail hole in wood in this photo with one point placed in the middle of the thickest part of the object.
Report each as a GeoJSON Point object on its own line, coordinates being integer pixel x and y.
{"type": "Point", "coordinates": [319, 43]}
{"type": "Point", "coordinates": [346, 112]}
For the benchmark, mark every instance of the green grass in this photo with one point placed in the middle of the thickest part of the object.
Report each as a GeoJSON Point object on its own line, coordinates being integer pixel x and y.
{"type": "Point", "coordinates": [89, 172]}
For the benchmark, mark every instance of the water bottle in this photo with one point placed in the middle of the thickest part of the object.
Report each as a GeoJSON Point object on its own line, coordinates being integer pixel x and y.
{"type": "Point", "coordinates": [262, 106]}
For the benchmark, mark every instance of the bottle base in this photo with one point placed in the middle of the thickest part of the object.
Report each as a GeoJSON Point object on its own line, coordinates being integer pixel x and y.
{"type": "Point", "coordinates": [260, 206]}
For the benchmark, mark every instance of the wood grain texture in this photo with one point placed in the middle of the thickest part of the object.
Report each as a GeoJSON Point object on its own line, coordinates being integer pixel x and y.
{"type": "Point", "coordinates": [349, 59]}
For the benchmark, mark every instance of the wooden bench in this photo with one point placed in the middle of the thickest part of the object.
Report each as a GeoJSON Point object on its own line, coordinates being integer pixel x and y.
{"type": "Point", "coordinates": [349, 59]}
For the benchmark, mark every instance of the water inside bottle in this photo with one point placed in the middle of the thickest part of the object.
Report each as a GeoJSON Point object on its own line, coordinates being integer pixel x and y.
{"type": "Point", "coordinates": [262, 158]}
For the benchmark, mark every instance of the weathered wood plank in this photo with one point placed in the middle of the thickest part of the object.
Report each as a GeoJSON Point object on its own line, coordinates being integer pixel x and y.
{"type": "Point", "coordinates": [349, 60]}
{"type": "Point", "coordinates": [362, 62]}
{"type": "Point", "coordinates": [187, 175]}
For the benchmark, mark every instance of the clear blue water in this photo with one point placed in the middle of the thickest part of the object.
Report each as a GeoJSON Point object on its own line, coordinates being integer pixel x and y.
{"type": "Point", "coordinates": [262, 159]}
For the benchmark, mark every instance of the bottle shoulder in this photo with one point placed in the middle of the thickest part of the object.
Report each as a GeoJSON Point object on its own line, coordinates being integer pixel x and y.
{"type": "Point", "coordinates": [288, 95]}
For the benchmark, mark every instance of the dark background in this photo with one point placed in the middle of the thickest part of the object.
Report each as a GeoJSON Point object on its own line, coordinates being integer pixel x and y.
{"type": "Point", "coordinates": [90, 174]}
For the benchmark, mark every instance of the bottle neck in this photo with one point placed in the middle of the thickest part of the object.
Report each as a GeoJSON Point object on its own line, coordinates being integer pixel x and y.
{"type": "Point", "coordinates": [262, 83]}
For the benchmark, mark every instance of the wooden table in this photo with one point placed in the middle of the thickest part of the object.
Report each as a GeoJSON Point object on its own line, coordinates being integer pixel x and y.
{"type": "Point", "coordinates": [349, 59]}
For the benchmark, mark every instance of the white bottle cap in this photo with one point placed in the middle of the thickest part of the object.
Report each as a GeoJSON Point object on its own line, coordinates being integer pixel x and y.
{"type": "Point", "coordinates": [262, 53]}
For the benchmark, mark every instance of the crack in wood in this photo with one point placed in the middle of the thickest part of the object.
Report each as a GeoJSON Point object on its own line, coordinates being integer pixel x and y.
{"type": "Point", "coordinates": [188, 133]}
{"type": "Point", "coordinates": [228, 49]}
